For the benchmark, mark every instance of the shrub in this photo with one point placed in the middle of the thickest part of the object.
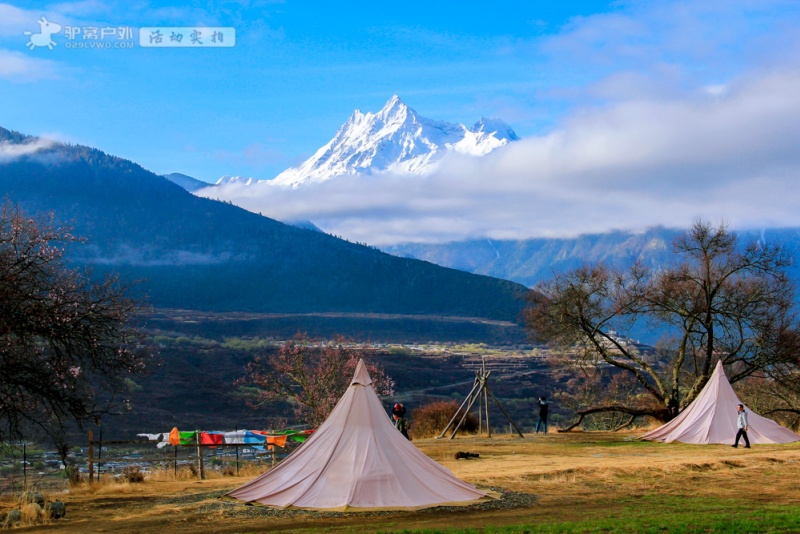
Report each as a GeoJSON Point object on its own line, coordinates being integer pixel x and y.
{"type": "Point", "coordinates": [133, 474]}
{"type": "Point", "coordinates": [228, 471]}
{"type": "Point", "coordinates": [32, 496]}
{"type": "Point", "coordinates": [430, 419]}
{"type": "Point", "coordinates": [73, 474]}
{"type": "Point", "coordinates": [13, 518]}
{"type": "Point", "coordinates": [56, 509]}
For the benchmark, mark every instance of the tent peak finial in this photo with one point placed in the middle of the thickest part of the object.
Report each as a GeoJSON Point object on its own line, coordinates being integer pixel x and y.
{"type": "Point", "coordinates": [361, 376]}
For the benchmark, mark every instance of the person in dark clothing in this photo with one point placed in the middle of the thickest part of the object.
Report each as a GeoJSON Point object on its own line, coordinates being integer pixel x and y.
{"type": "Point", "coordinates": [541, 421]}
{"type": "Point", "coordinates": [741, 423]}
{"type": "Point", "coordinates": [400, 421]}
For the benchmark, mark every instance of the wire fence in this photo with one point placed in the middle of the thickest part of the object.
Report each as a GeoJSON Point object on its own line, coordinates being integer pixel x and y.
{"type": "Point", "coordinates": [27, 465]}
{"type": "Point", "coordinates": [118, 457]}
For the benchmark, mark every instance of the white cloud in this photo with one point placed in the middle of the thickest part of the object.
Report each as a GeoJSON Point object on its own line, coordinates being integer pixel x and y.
{"type": "Point", "coordinates": [12, 151]}
{"type": "Point", "coordinates": [81, 8]}
{"type": "Point", "coordinates": [676, 110]}
{"type": "Point", "coordinates": [13, 20]}
{"type": "Point", "coordinates": [20, 67]}
{"type": "Point", "coordinates": [728, 155]}
{"type": "Point", "coordinates": [706, 34]}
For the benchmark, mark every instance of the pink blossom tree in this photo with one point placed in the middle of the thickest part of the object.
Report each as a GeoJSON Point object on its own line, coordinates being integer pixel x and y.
{"type": "Point", "coordinates": [311, 375]}
{"type": "Point", "coordinates": [66, 342]}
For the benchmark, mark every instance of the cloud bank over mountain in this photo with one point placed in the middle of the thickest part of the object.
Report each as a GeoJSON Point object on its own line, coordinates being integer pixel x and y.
{"type": "Point", "coordinates": [10, 151]}
{"type": "Point", "coordinates": [727, 152]}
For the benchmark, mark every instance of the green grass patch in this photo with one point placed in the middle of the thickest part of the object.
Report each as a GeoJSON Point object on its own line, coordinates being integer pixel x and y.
{"type": "Point", "coordinates": [663, 515]}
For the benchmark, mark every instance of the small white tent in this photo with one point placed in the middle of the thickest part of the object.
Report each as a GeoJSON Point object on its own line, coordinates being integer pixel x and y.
{"type": "Point", "coordinates": [711, 418]}
{"type": "Point", "coordinates": [358, 461]}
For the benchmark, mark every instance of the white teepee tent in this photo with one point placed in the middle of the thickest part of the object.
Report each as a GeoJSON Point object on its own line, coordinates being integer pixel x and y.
{"type": "Point", "coordinates": [356, 461]}
{"type": "Point", "coordinates": [711, 418]}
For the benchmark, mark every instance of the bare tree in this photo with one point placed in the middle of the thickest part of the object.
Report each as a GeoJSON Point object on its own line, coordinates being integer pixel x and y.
{"type": "Point", "coordinates": [721, 301]}
{"type": "Point", "coordinates": [775, 391]}
{"type": "Point", "coordinates": [313, 375]}
{"type": "Point", "coordinates": [604, 387]}
{"type": "Point", "coordinates": [779, 400]}
{"type": "Point", "coordinates": [66, 343]}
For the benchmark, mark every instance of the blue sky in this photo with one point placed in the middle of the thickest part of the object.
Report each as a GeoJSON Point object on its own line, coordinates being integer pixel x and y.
{"type": "Point", "coordinates": [632, 102]}
{"type": "Point", "coordinates": [296, 73]}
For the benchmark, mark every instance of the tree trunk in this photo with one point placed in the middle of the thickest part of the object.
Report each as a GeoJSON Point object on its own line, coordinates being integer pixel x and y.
{"type": "Point", "coordinates": [661, 415]}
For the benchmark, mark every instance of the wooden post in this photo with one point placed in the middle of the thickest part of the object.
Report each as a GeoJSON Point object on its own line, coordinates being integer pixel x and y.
{"type": "Point", "coordinates": [200, 457]}
{"type": "Point", "coordinates": [91, 457]}
{"type": "Point", "coordinates": [99, 452]}
{"type": "Point", "coordinates": [480, 392]}
{"type": "Point", "coordinates": [464, 416]}
{"type": "Point", "coordinates": [237, 454]}
{"type": "Point", "coordinates": [485, 391]}
{"type": "Point", "coordinates": [506, 414]}
{"type": "Point", "coordinates": [237, 461]}
{"type": "Point", "coordinates": [24, 467]}
{"type": "Point", "coordinates": [175, 461]}
{"type": "Point", "coordinates": [486, 402]}
{"type": "Point", "coordinates": [480, 418]}
{"type": "Point", "coordinates": [469, 396]}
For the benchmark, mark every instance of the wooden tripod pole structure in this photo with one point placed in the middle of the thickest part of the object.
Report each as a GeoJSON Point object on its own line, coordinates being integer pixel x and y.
{"type": "Point", "coordinates": [480, 392]}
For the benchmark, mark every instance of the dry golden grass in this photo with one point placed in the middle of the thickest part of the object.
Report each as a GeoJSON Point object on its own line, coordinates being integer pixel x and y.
{"type": "Point", "coordinates": [575, 476]}
{"type": "Point", "coordinates": [156, 479]}
{"type": "Point", "coordinates": [246, 469]}
{"type": "Point", "coordinates": [583, 466]}
{"type": "Point", "coordinates": [31, 513]}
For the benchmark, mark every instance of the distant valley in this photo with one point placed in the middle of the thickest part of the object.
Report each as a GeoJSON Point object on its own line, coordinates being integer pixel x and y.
{"type": "Point", "coordinates": [531, 261]}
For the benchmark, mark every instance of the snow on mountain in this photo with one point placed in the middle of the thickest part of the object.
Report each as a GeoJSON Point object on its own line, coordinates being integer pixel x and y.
{"type": "Point", "coordinates": [235, 180]}
{"type": "Point", "coordinates": [395, 139]}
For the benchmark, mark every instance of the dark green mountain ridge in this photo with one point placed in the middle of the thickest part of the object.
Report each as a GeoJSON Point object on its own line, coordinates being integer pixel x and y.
{"type": "Point", "coordinates": [196, 253]}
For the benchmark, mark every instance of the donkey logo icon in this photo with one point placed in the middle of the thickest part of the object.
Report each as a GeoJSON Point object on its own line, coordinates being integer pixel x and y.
{"type": "Point", "coordinates": [43, 37]}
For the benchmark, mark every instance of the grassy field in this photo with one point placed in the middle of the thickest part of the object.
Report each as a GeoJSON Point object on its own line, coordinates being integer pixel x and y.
{"type": "Point", "coordinates": [579, 482]}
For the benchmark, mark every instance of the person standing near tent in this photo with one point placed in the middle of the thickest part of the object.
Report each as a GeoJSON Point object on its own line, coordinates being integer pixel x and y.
{"type": "Point", "coordinates": [741, 422]}
{"type": "Point", "coordinates": [541, 421]}
{"type": "Point", "coordinates": [400, 421]}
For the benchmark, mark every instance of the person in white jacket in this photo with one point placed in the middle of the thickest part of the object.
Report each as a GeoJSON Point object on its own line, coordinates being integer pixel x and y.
{"type": "Point", "coordinates": [741, 423]}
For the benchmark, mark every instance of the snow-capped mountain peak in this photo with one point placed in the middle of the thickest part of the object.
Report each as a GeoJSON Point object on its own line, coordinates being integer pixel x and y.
{"type": "Point", "coordinates": [494, 126]}
{"type": "Point", "coordinates": [395, 139]}
{"type": "Point", "coordinates": [394, 107]}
